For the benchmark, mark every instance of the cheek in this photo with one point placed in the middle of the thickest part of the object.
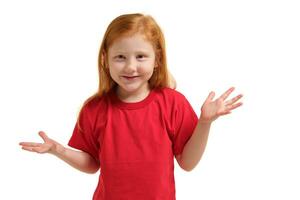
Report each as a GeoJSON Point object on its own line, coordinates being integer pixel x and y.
{"type": "Point", "coordinates": [115, 67]}
{"type": "Point", "coordinates": [147, 67]}
{"type": "Point", "coordinates": [147, 72]}
{"type": "Point", "coordinates": [150, 69]}
{"type": "Point", "coordinates": [113, 72]}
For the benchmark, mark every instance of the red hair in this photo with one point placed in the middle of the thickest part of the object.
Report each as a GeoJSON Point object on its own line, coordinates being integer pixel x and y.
{"type": "Point", "coordinates": [127, 25]}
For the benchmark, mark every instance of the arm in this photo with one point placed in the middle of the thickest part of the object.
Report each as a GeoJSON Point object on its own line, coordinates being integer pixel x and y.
{"type": "Point", "coordinates": [210, 111]}
{"type": "Point", "coordinates": [194, 148]}
{"type": "Point", "coordinates": [77, 159]}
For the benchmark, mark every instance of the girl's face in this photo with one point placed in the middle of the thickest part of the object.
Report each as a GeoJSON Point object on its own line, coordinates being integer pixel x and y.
{"type": "Point", "coordinates": [131, 62]}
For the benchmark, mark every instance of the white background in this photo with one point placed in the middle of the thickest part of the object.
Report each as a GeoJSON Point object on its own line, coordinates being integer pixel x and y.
{"type": "Point", "coordinates": [48, 67]}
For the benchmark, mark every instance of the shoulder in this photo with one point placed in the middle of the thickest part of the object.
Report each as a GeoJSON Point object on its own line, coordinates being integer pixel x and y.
{"type": "Point", "coordinates": [171, 95]}
{"type": "Point", "coordinates": [95, 101]}
{"type": "Point", "coordinates": [93, 104]}
{"type": "Point", "coordinates": [93, 111]}
{"type": "Point", "coordinates": [171, 100]}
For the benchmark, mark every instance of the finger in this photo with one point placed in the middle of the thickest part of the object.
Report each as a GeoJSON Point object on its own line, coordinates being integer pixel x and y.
{"type": "Point", "coordinates": [31, 149]}
{"type": "Point", "coordinates": [227, 93]}
{"type": "Point", "coordinates": [43, 136]}
{"type": "Point", "coordinates": [30, 144]}
{"type": "Point", "coordinates": [233, 100]}
{"type": "Point", "coordinates": [234, 106]}
{"type": "Point", "coordinates": [38, 149]}
{"type": "Point", "coordinates": [226, 113]}
{"type": "Point", "coordinates": [210, 97]}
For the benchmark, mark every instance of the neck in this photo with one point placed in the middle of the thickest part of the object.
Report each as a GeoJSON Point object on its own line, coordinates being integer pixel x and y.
{"type": "Point", "coordinates": [135, 96]}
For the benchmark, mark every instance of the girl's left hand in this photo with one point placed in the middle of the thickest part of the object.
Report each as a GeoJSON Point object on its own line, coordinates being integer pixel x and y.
{"type": "Point", "coordinates": [211, 110]}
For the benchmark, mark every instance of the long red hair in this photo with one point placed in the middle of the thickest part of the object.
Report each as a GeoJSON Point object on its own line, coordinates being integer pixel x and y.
{"type": "Point", "coordinates": [127, 25]}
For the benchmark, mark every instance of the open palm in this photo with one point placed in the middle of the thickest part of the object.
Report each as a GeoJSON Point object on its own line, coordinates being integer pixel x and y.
{"type": "Point", "coordinates": [211, 110]}
{"type": "Point", "coordinates": [46, 147]}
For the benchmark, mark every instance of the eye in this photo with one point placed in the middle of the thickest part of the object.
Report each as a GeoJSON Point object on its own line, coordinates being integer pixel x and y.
{"type": "Point", "coordinates": [119, 57]}
{"type": "Point", "coordinates": [141, 56]}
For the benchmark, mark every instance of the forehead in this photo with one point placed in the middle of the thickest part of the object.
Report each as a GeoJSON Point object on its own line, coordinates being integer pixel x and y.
{"type": "Point", "coordinates": [136, 42]}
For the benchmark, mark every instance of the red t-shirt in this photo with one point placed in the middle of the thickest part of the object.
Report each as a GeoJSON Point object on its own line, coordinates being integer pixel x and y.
{"type": "Point", "coordinates": [135, 143]}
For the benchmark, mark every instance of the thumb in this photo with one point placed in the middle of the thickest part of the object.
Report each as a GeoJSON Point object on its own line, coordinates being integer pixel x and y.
{"type": "Point", "coordinates": [43, 136]}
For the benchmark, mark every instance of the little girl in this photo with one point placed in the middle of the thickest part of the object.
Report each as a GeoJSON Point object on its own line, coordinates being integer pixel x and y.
{"type": "Point", "coordinates": [136, 123]}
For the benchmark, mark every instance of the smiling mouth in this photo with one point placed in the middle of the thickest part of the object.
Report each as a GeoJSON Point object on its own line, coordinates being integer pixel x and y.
{"type": "Point", "coordinates": [130, 77]}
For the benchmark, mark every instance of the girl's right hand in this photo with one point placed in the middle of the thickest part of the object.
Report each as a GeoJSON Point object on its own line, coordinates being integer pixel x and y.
{"type": "Point", "coordinates": [49, 145]}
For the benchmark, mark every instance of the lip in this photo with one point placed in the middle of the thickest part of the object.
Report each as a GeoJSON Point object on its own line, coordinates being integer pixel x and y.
{"type": "Point", "coordinates": [130, 77]}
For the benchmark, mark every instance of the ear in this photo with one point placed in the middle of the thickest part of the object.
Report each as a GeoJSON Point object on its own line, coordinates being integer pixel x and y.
{"type": "Point", "coordinates": [155, 64]}
{"type": "Point", "coordinates": [172, 81]}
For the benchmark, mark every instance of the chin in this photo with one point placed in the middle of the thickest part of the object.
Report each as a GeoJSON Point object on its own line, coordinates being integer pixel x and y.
{"type": "Point", "coordinates": [131, 88]}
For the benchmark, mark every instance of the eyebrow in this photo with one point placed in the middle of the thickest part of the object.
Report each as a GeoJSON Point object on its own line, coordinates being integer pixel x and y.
{"type": "Point", "coordinates": [139, 52]}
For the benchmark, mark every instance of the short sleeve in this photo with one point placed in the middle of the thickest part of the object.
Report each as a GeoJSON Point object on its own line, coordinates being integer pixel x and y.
{"type": "Point", "coordinates": [83, 137]}
{"type": "Point", "coordinates": [185, 121]}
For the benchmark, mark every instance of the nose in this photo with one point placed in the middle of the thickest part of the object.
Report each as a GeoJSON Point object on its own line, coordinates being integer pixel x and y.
{"type": "Point", "coordinates": [131, 66]}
